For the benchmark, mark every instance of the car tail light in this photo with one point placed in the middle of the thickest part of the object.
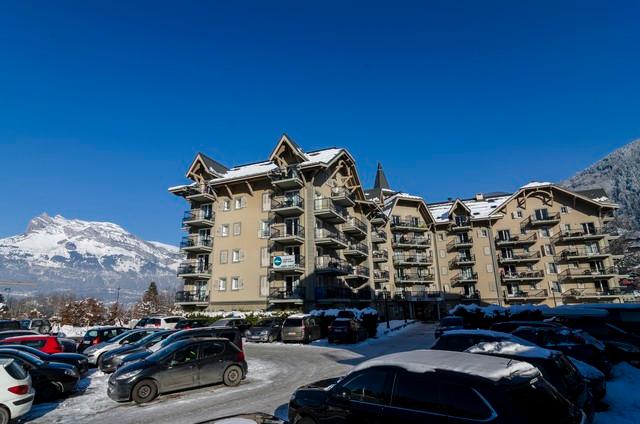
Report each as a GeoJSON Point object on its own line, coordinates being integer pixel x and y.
{"type": "Point", "coordinates": [95, 341]}
{"type": "Point", "coordinates": [240, 357]}
{"type": "Point", "coordinates": [22, 389]}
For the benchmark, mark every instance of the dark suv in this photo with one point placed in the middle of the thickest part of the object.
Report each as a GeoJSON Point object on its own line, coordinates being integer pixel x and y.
{"type": "Point", "coordinates": [346, 330]}
{"type": "Point", "coordinates": [98, 335]}
{"type": "Point", "coordinates": [461, 340]}
{"type": "Point", "coordinates": [462, 388]}
{"type": "Point", "coordinates": [182, 365]}
{"type": "Point", "coordinates": [510, 326]}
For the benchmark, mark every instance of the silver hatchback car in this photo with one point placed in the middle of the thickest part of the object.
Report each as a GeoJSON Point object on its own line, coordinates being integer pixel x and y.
{"type": "Point", "coordinates": [300, 329]}
{"type": "Point", "coordinates": [95, 352]}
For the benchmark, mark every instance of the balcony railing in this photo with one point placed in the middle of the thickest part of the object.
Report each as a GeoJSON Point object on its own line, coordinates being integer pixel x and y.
{"type": "Point", "coordinates": [578, 234]}
{"type": "Point", "coordinates": [359, 271]}
{"type": "Point", "coordinates": [519, 257]}
{"type": "Point", "coordinates": [408, 223]}
{"type": "Point", "coordinates": [458, 243]}
{"type": "Point", "coordinates": [360, 248]}
{"type": "Point", "coordinates": [283, 231]}
{"type": "Point", "coordinates": [191, 297]}
{"type": "Point", "coordinates": [594, 293]}
{"type": "Point", "coordinates": [282, 294]}
{"type": "Point", "coordinates": [342, 196]}
{"type": "Point", "coordinates": [287, 263]}
{"type": "Point", "coordinates": [413, 277]}
{"type": "Point", "coordinates": [380, 255]}
{"type": "Point", "coordinates": [332, 265]}
{"type": "Point", "coordinates": [354, 225]}
{"type": "Point", "coordinates": [461, 224]}
{"type": "Point", "coordinates": [378, 218]}
{"type": "Point", "coordinates": [412, 260]}
{"type": "Point", "coordinates": [462, 260]}
{"type": "Point", "coordinates": [380, 275]}
{"type": "Point", "coordinates": [198, 216]}
{"type": "Point", "coordinates": [549, 219]}
{"type": "Point", "coordinates": [411, 242]}
{"type": "Point", "coordinates": [328, 210]}
{"type": "Point", "coordinates": [199, 193]}
{"type": "Point", "coordinates": [189, 242]}
{"type": "Point", "coordinates": [412, 295]}
{"type": "Point", "coordinates": [195, 267]}
{"type": "Point", "coordinates": [575, 253]}
{"type": "Point", "coordinates": [463, 278]}
{"type": "Point", "coordinates": [378, 236]}
{"type": "Point", "coordinates": [588, 273]}
{"type": "Point", "coordinates": [521, 294]}
{"type": "Point", "coordinates": [522, 276]}
{"type": "Point", "coordinates": [284, 204]}
{"type": "Point", "coordinates": [327, 237]}
{"type": "Point", "coordinates": [287, 178]}
{"type": "Point", "coordinates": [325, 294]}
{"type": "Point", "coordinates": [516, 239]}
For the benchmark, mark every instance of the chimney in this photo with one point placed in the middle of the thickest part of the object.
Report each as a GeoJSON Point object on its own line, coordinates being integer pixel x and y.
{"type": "Point", "coordinates": [479, 196]}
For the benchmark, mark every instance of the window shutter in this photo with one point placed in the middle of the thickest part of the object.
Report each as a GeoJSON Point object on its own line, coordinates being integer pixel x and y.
{"type": "Point", "coordinates": [264, 286]}
{"type": "Point", "coordinates": [240, 283]}
{"type": "Point", "coordinates": [487, 251]}
{"type": "Point", "coordinates": [490, 268]}
{"type": "Point", "coordinates": [241, 255]}
{"type": "Point", "coordinates": [266, 201]}
{"type": "Point", "coordinates": [243, 202]}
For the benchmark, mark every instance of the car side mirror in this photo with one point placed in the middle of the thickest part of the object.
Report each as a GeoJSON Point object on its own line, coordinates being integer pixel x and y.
{"type": "Point", "coordinates": [341, 393]}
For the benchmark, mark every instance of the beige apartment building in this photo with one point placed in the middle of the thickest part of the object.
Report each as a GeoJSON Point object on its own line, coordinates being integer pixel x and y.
{"type": "Point", "coordinates": [298, 231]}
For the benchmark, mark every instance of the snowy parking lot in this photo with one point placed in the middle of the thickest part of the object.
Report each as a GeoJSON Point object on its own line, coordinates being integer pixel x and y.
{"type": "Point", "coordinates": [275, 371]}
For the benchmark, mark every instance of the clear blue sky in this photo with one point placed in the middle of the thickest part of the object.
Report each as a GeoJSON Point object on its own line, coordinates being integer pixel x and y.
{"type": "Point", "coordinates": [104, 104]}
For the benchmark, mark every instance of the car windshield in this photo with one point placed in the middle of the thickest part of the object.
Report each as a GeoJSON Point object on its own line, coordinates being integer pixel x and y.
{"type": "Point", "coordinates": [538, 401]}
{"type": "Point", "coordinates": [222, 323]}
{"type": "Point", "coordinates": [293, 322]}
{"type": "Point", "coordinates": [451, 321]}
{"type": "Point", "coordinates": [165, 351]}
{"type": "Point", "coordinates": [341, 323]}
{"type": "Point", "coordinates": [153, 337]}
{"type": "Point", "coordinates": [265, 323]}
{"type": "Point", "coordinates": [119, 337]}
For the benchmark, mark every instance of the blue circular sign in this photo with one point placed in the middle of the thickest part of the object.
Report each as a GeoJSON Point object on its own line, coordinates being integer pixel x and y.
{"type": "Point", "coordinates": [277, 261]}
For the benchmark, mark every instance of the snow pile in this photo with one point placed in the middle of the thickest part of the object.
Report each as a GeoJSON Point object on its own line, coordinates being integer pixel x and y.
{"type": "Point", "coordinates": [358, 313]}
{"type": "Point", "coordinates": [71, 331]}
{"type": "Point", "coordinates": [491, 311]}
{"type": "Point", "coordinates": [511, 348]}
{"type": "Point", "coordinates": [622, 396]}
{"type": "Point", "coordinates": [586, 370]}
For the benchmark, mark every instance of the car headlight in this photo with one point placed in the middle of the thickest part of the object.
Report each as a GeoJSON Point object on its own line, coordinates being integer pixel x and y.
{"type": "Point", "coordinates": [72, 373]}
{"type": "Point", "coordinates": [128, 375]}
{"type": "Point", "coordinates": [265, 333]}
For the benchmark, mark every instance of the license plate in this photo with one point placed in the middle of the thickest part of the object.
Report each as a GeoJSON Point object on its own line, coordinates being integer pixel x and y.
{"type": "Point", "coordinates": [291, 334]}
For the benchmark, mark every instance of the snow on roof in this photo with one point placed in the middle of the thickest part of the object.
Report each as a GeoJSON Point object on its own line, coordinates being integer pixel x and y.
{"type": "Point", "coordinates": [587, 371]}
{"type": "Point", "coordinates": [572, 311]}
{"type": "Point", "coordinates": [390, 201]}
{"type": "Point", "coordinates": [534, 184]}
{"type": "Point", "coordinates": [479, 208]}
{"type": "Point", "coordinates": [420, 361]}
{"type": "Point", "coordinates": [511, 348]}
{"type": "Point", "coordinates": [324, 156]}
{"type": "Point", "coordinates": [298, 316]}
{"type": "Point", "coordinates": [493, 310]}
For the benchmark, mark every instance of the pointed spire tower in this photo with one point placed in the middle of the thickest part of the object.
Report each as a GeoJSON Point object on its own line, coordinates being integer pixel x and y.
{"type": "Point", "coordinates": [381, 182]}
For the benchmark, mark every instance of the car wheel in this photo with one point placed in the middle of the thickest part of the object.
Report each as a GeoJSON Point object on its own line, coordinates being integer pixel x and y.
{"type": "Point", "coordinates": [232, 376]}
{"type": "Point", "coordinates": [144, 391]}
{"type": "Point", "coordinates": [5, 416]}
{"type": "Point", "coordinates": [305, 420]}
{"type": "Point", "coordinates": [270, 339]}
{"type": "Point", "coordinates": [99, 361]}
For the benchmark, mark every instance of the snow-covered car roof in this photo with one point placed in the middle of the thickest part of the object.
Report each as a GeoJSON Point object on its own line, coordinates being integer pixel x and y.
{"type": "Point", "coordinates": [488, 367]}
{"type": "Point", "coordinates": [511, 348]}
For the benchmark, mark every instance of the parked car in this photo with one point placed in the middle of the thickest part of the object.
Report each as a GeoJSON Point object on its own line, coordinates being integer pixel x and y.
{"type": "Point", "coordinates": [622, 315]}
{"type": "Point", "coordinates": [9, 324]}
{"type": "Point", "coordinates": [77, 360]}
{"type": "Point", "coordinates": [50, 379]}
{"type": "Point", "coordinates": [575, 343]}
{"type": "Point", "coordinates": [510, 326]}
{"type": "Point", "coordinates": [553, 365]}
{"type": "Point", "coordinates": [96, 335]}
{"type": "Point", "coordinates": [16, 391]}
{"type": "Point", "coordinates": [232, 334]}
{"type": "Point", "coordinates": [346, 330]}
{"type": "Point", "coordinates": [167, 322]}
{"type": "Point", "coordinates": [111, 360]}
{"type": "Point", "coordinates": [461, 340]}
{"type": "Point", "coordinates": [182, 365]}
{"type": "Point", "coordinates": [188, 323]}
{"type": "Point", "coordinates": [254, 418]}
{"type": "Point", "coordinates": [47, 344]}
{"type": "Point", "coordinates": [594, 377]}
{"type": "Point", "coordinates": [300, 329]}
{"type": "Point", "coordinates": [42, 326]}
{"type": "Point", "coordinates": [463, 388]}
{"type": "Point", "coordinates": [15, 333]}
{"type": "Point", "coordinates": [239, 323]}
{"type": "Point", "coordinates": [449, 323]}
{"type": "Point", "coordinates": [94, 352]}
{"type": "Point", "coordinates": [266, 330]}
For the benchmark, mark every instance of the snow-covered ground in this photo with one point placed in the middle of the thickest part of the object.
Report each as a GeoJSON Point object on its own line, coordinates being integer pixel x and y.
{"type": "Point", "coordinates": [623, 397]}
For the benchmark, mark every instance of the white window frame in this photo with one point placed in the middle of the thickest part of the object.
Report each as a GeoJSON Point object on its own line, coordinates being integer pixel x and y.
{"type": "Point", "coordinates": [222, 284]}
{"type": "Point", "coordinates": [266, 201]}
{"type": "Point", "coordinates": [235, 256]}
{"type": "Point", "coordinates": [235, 283]}
{"type": "Point", "coordinates": [237, 229]}
{"type": "Point", "coordinates": [224, 230]}
{"type": "Point", "coordinates": [226, 205]}
{"type": "Point", "coordinates": [224, 256]}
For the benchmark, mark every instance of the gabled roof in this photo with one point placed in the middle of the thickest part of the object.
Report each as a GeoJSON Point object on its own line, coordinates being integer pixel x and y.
{"type": "Point", "coordinates": [295, 149]}
{"type": "Point", "coordinates": [457, 203]}
{"type": "Point", "coordinates": [391, 201]}
{"type": "Point", "coordinates": [204, 162]}
{"type": "Point", "coordinates": [478, 209]}
{"type": "Point", "coordinates": [597, 194]}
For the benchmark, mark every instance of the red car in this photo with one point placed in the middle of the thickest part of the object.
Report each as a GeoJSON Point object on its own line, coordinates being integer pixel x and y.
{"type": "Point", "coordinates": [47, 344]}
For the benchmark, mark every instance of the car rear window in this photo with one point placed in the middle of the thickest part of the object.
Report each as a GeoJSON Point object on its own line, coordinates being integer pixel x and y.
{"type": "Point", "coordinates": [172, 320]}
{"type": "Point", "coordinates": [16, 371]}
{"type": "Point", "coordinates": [153, 321]}
{"type": "Point", "coordinates": [340, 323]}
{"type": "Point", "coordinates": [293, 322]}
{"type": "Point", "coordinates": [38, 343]}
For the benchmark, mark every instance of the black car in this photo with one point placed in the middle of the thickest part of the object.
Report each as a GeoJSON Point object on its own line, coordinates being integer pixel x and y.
{"type": "Point", "coordinates": [449, 323]}
{"type": "Point", "coordinates": [232, 334]}
{"type": "Point", "coordinates": [346, 330]}
{"type": "Point", "coordinates": [461, 340]}
{"type": "Point", "coordinates": [239, 323]}
{"type": "Point", "coordinates": [111, 360]}
{"type": "Point", "coordinates": [553, 365]}
{"type": "Point", "coordinates": [189, 323]}
{"type": "Point", "coordinates": [17, 333]}
{"type": "Point", "coordinates": [98, 335]}
{"type": "Point", "coordinates": [510, 326]}
{"type": "Point", "coordinates": [435, 387]}
{"type": "Point", "coordinates": [9, 324]}
{"type": "Point", "coordinates": [574, 343]}
{"type": "Point", "coordinates": [50, 379]}
{"type": "Point", "coordinates": [42, 326]}
{"type": "Point", "coordinates": [77, 360]}
{"type": "Point", "coordinates": [266, 330]}
{"type": "Point", "coordinates": [182, 365]}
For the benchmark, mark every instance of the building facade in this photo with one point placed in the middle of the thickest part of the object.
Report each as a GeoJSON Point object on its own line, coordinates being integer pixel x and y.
{"type": "Point", "coordinates": [298, 231]}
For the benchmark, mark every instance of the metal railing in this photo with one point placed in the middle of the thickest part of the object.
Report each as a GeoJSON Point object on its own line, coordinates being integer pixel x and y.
{"type": "Point", "coordinates": [399, 258]}
{"type": "Point", "coordinates": [524, 275]}
{"type": "Point", "coordinates": [283, 202]}
{"type": "Point", "coordinates": [408, 222]}
{"type": "Point", "coordinates": [283, 230]}
{"type": "Point", "coordinates": [197, 241]}
{"type": "Point", "coordinates": [360, 247]}
{"type": "Point", "coordinates": [574, 252]}
{"type": "Point", "coordinates": [459, 242]}
{"type": "Point", "coordinates": [567, 235]}
{"type": "Point", "coordinates": [332, 264]}
{"type": "Point", "coordinates": [380, 275]}
{"type": "Point", "coordinates": [378, 235]}
{"type": "Point", "coordinates": [360, 271]}
{"type": "Point", "coordinates": [191, 297]}
{"type": "Point", "coordinates": [323, 293]}
{"type": "Point", "coordinates": [409, 277]}
{"type": "Point", "coordinates": [540, 220]}
{"type": "Point", "coordinates": [197, 215]}
{"type": "Point", "coordinates": [588, 272]}
{"type": "Point", "coordinates": [412, 241]}
{"type": "Point", "coordinates": [517, 239]}
{"type": "Point", "coordinates": [323, 233]}
{"type": "Point", "coordinates": [527, 294]}
{"type": "Point", "coordinates": [461, 222]}
{"type": "Point", "coordinates": [460, 260]}
{"type": "Point", "coordinates": [519, 257]}
{"type": "Point", "coordinates": [352, 221]}
{"type": "Point", "coordinates": [284, 294]}
{"type": "Point", "coordinates": [288, 173]}
{"type": "Point", "coordinates": [327, 204]}
{"type": "Point", "coordinates": [380, 254]}
{"type": "Point", "coordinates": [462, 278]}
{"type": "Point", "coordinates": [194, 267]}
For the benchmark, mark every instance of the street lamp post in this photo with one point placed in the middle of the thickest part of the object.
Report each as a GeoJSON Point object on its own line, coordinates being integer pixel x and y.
{"type": "Point", "coordinates": [385, 294]}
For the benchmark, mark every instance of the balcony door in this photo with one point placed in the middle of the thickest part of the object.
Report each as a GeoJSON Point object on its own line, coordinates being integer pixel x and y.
{"type": "Point", "coordinates": [602, 286]}
{"type": "Point", "coordinates": [542, 214]}
{"type": "Point", "coordinates": [597, 267]}
{"type": "Point", "coordinates": [291, 284]}
{"type": "Point", "coordinates": [469, 290]}
{"type": "Point", "coordinates": [464, 255]}
{"type": "Point", "coordinates": [510, 270]}
{"type": "Point", "coordinates": [204, 234]}
{"type": "Point", "coordinates": [504, 235]}
{"type": "Point", "coordinates": [592, 248]}
{"type": "Point", "coordinates": [292, 250]}
{"type": "Point", "coordinates": [588, 228]}
{"type": "Point", "coordinates": [506, 253]}
{"type": "Point", "coordinates": [511, 289]}
{"type": "Point", "coordinates": [461, 220]}
{"type": "Point", "coordinates": [463, 238]}
{"type": "Point", "coordinates": [203, 263]}
{"type": "Point", "coordinates": [207, 211]}
{"type": "Point", "coordinates": [201, 289]}
{"type": "Point", "coordinates": [466, 273]}
{"type": "Point", "coordinates": [291, 226]}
